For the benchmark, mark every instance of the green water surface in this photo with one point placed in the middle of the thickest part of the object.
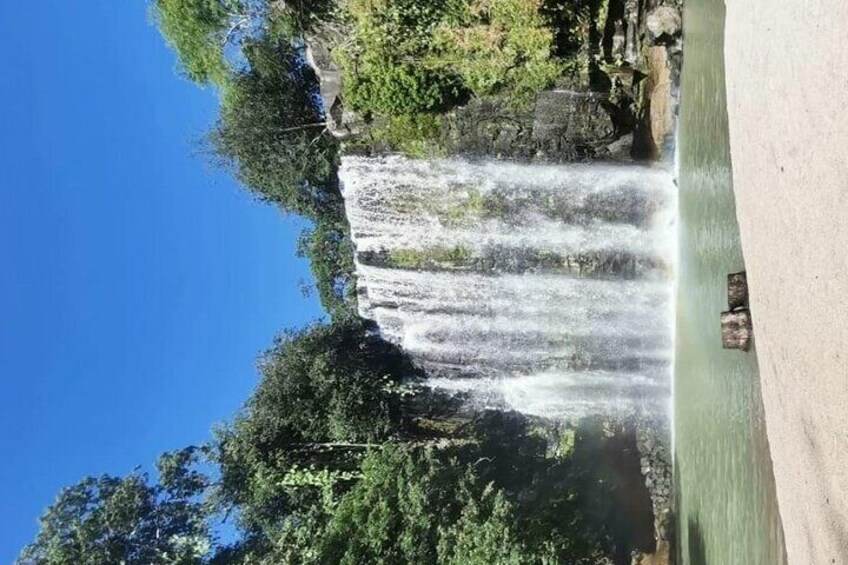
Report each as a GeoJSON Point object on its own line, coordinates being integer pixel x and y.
{"type": "Point", "coordinates": [726, 506]}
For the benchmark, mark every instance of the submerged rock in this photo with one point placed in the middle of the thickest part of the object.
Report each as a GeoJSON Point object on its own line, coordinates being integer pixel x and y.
{"type": "Point", "coordinates": [653, 443]}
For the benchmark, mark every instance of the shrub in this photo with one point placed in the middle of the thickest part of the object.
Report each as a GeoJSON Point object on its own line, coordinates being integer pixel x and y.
{"type": "Point", "coordinates": [195, 28]}
{"type": "Point", "coordinates": [416, 135]}
{"type": "Point", "coordinates": [408, 56]}
{"type": "Point", "coordinates": [504, 46]}
{"type": "Point", "coordinates": [376, 83]}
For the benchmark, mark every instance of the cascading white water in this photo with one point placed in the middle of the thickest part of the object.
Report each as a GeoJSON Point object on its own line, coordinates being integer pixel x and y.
{"type": "Point", "coordinates": [543, 288]}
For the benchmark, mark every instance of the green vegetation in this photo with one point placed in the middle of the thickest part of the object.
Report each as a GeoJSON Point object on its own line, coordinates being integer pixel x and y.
{"type": "Point", "coordinates": [272, 133]}
{"type": "Point", "coordinates": [201, 30]}
{"type": "Point", "coordinates": [329, 250]}
{"type": "Point", "coordinates": [457, 256]}
{"type": "Point", "coordinates": [407, 57]}
{"type": "Point", "coordinates": [433, 505]}
{"type": "Point", "coordinates": [415, 135]}
{"type": "Point", "coordinates": [295, 18]}
{"type": "Point", "coordinates": [501, 46]}
{"type": "Point", "coordinates": [107, 520]}
{"type": "Point", "coordinates": [386, 64]}
{"type": "Point", "coordinates": [407, 64]}
{"type": "Point", "coordinates": [341, 456]}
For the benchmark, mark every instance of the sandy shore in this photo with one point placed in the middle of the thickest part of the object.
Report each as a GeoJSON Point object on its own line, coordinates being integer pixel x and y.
{"type": "Point", "coordinates": [787, 85]}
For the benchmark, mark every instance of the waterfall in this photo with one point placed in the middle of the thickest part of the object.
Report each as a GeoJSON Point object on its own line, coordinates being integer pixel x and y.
{"type": "Point", "coordinates": [542, 288]}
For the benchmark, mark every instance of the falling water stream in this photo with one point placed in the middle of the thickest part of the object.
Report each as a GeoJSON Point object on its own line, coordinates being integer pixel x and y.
{"type": "Point", "coordinates": [537, 287]}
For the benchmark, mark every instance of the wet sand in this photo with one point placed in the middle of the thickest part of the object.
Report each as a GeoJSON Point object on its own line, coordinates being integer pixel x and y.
{"type": "Point", "coordinates": [787, 87]}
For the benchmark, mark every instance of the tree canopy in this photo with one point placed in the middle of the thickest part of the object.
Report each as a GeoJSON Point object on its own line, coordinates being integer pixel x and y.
{"type": "Point", "coordinates": [446, 502]}
{"type": "Point", "coordinates": [338, 458]}
{"type": "Point", "coordinates": [328, 392]}
{"type": "Point", "coordinates": [128, 520]}
{"type": "Point", "coordinates": [200, 31]}
{"type": "Point", "coordinates": [271, 132]}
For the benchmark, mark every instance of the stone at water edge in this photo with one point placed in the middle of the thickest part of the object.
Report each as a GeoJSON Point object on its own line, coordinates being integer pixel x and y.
{"type": "Point", "coordinates": [658, 100]}
{"type": "Point", "coordinates": [736, 330]}
{"type": "Point", "coordinates": [737, 290]}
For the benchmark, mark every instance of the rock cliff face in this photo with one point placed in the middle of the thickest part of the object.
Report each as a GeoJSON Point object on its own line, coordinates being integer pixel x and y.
{"type": "Point", "coordinates": [341, 122]}
{"type": "Point", "coordinates": [620, 108]}
{"type": "Point", "coordinates": [653, 440]}
{"type": "Point", "coordinates": [563, 125]}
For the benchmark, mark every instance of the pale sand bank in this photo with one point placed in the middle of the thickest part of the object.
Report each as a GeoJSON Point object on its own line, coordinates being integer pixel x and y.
{"type": "Point", "coordinates": [787, 82]}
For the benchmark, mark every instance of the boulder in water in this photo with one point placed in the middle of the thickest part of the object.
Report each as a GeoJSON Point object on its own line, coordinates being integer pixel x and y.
{"type": "Point", "coordinates": [737, 290]}
{"type": "Point", "coordinates": [737, 330]}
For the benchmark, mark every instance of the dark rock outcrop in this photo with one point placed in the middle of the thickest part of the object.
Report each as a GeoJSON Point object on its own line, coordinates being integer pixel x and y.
{"type": "Point", "coordinates": [653, 441]}
{"type": "Point", "coordinates": [563, 125]}
{"type": "Point", "coordinates": [341, 122]}
{"type": "Point", "coordinates": [566, 117]}
{"type": "Point", "coordinates": [737, 290]}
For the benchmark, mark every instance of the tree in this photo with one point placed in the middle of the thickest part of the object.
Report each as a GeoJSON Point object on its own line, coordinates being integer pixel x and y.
{"type": "Point", "coordinates": [113, 520]}
{"type": "Point", "coordinates": [395, 513]}
{"type": "Point", "coordinates": [331, 382]}
{"type": "Point", "coordinates": [432, 505]}
{"type": "Point", "coordinates": [271, 131]}
{"type": "Point", "coordinates": [201, 30]}
{"type": "Point", "coordinates": [302, 16]}
{"type": "Point", "coordinates": [328, 247]}
{"type": "Point", "coordinates": [328, 393]}
{"type": "Point", "coordinates": [488, 496]}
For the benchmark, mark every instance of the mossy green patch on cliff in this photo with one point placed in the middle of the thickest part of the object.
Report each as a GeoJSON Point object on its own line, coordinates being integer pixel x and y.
{"type": "Point", "coordinates": [456, 256]}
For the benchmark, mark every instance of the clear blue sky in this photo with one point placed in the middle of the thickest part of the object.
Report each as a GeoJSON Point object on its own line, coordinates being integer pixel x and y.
{"type": "Point", "coordinates": [137, 283]}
